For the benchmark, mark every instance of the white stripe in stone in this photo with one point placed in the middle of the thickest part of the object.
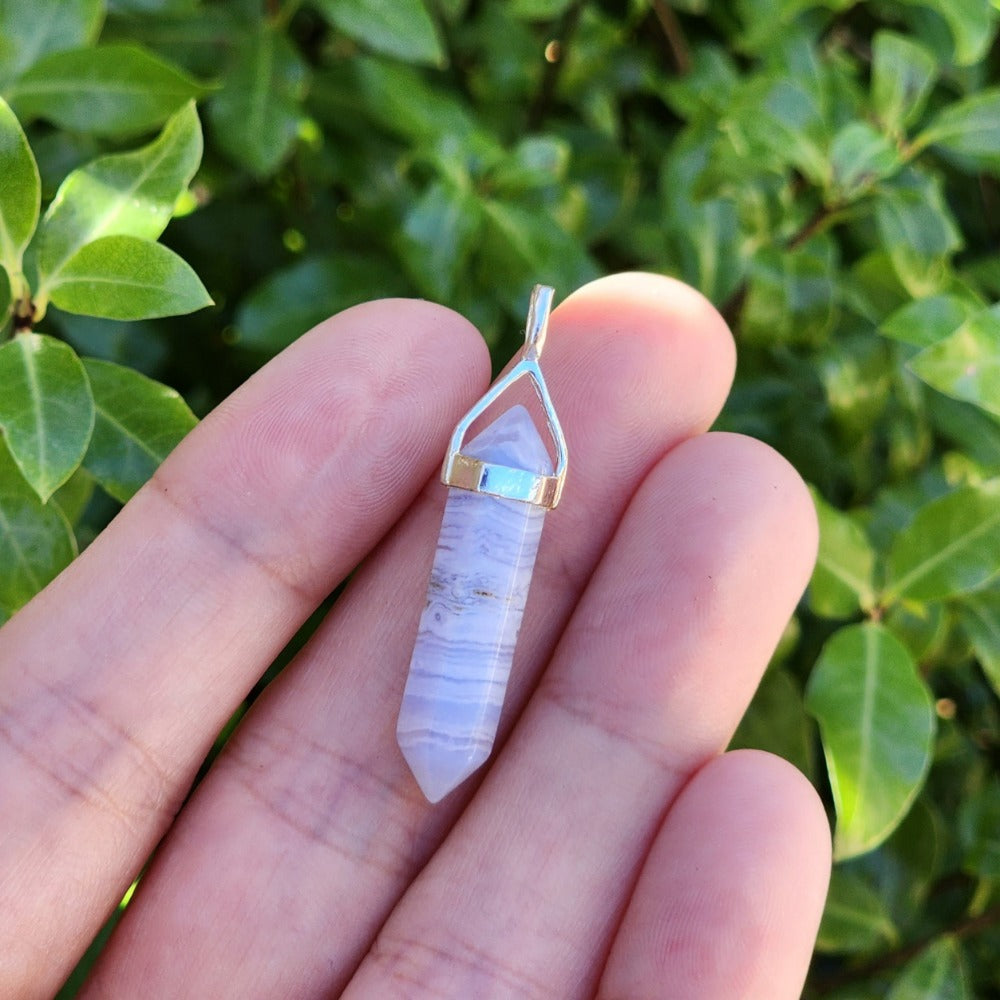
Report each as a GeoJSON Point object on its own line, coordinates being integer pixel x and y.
{"type": "Point", "coordinates": [475, 601]}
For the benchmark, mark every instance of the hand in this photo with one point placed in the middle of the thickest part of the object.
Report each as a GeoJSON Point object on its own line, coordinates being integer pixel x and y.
{"type": "Point", "coordinates": [612, 849]}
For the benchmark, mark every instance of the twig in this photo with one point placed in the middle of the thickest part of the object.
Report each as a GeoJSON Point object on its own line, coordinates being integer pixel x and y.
{"type": "Point", "coordinates": [812, 226]}
{"type": "Point", "coordinates": [565, 30]}
{"type": "Point", "coordinates": [900, 956]}
{"type": "Point", "coordinates": [674, 34]}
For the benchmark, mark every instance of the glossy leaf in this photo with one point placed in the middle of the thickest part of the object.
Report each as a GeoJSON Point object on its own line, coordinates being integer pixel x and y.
{"type": "Point", "coordinates": [535, 162]}
{"type": "Point", "coordinates": [972, 24]}
{"type": "Point", "coordinates": [923, 322]}
{"type": "Point", "coordinates": [538, 10]}
{"type": "Point", "coordinates": [903, 73]}
{"type": "Point", "coordinates": [877, 724]}
{"type": "Point", "coordinates": [792, 296]}
{"type": "Point", "coordinates": [138, 423]}
{"type": "Point", "coordinates": [400, 28]}
{"type": "Point", "coordinates": [130, 194]}
{"type": "Point", "coordinates": [256, 114]}
{"type": "Point", "coordinates": [296, 298]}
{"type": "Point", "coordinates": [107, 90]}
{"type": "Point", "coordinates": [855, 918]}
{"type": "Point", "coordinates": [46, 409]}
{"type": "Point", "coordinates": [860, 156]}
{"type": "Point", "coordinates": [29, 31]}
{"type": "Point", "coordinates": [937, 973]}
{"type": "Point", "coordinates": [74, 495]}
{"type": "Point", "coordinates": [969, 128]}
{"type": "Point", "coordinates": [980, 617]}
{"type": "Point", "coordinates": [843, 581]}
{"type": "Point", "coordinates": [704, 234]}
{"type": "Point", "coordinates": [966, 364]}
{"type": "Point", "coordinates": [979, 830]}
{"type": "Point", "coordinates": [951, 547]}
{"type": "Point", "coordinates": [521, 244]}
{"type": "Point", "coordinates": [438, 237]}
{"type": "Point", "coordinates": [776, 721]}
{"type": "Point", "coordinates": [6, 303]}
{"type": "Point", "coordinates": [36, 541]}
{"type": "Point", "coordinates": [124, 277]}
{"type": "Point", "coordinates": [903, 870]}
{"type": "Point", "coordinates": [20, 191]}
{"type": "Point", "coordinates": [918, 230]}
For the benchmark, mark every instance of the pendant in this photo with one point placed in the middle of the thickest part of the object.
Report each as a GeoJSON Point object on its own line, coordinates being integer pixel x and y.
{"type": "Point", "coordinates": [500, 486]}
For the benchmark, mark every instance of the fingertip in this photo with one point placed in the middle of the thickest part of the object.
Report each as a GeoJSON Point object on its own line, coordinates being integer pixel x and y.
{"type": "Point", "coordinates": [666, 308]}
{"type": "Point", "coordinates": [780, 797]}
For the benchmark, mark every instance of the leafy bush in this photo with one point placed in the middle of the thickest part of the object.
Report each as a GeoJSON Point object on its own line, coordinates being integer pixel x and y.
{"type": "Point", "coordinates": [827, 173]}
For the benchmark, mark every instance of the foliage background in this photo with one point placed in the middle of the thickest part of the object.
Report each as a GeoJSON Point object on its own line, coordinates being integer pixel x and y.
{"type": "Point", "coordinates": [827, 173]}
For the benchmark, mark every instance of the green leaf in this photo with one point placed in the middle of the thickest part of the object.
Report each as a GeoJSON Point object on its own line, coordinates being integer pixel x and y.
{"type": "Point", "coordinates": [437, 238]}
{"type": "Point", "coordinates": [704, 234]}
{"type": "Point", "coordinates": [979, 831]}
{"type": "Point", "coordinates": [969, 128]}
{"type": "Point", "coordinates": [124, 277]}
{"type": "Point", "coordinates": [903, 74]}
{"type": "Point", "coordinates": [256, 115]}
{"type": "Point", "coordinates": [792, 295]}
{"type": "Point", "coordinates": [918, 230]}
{"type": "Point", "coordinates": [6, 303]}
{"type": "Point", "coordinates": [951, 547]}
{"type": "Point", "coordinates": [36, 541]}
{"type": "Point", "coordinates": [520, 245]}
{"type": "Point", "coordinates": [535, 162]}
{"type": "Point", "coordinates": [20, 191]}
{"type": "Point", "coordinates": [980, 618]}
{"type": "Point", "coordinates": [903, 870]}
{"type": "Point", "coordinates": [926, 321]}
{"type": "Point", "coordinates": [74, 495]}
{"type": "Point", "coordinates": [130, 194]}
{"type": "Point", "coordinates": [937, 973]}
{"type": "Point", "coordinates": [537, 10]}
{"type": "Point", "coordinates": [399, 28]}
{"type": "Point", "coordinates": [292, 300]}
{"type": "Point", "coordinates": [843, 580]}
{"type": "Point", "coordinates": [971, 23]}
{"type": "Point", "coordinates": [877, 724]}
{"type": "Point", "coordinates": [966, 364]}
{"type": "Point", "coordinates": [110, 90]}
{"type": "Point", "coordinates": [46, 409]}
{"type": "Point", "coordinates": [859, 157]}
{"type": "Point", "coordinates": [139, 422]}
{"type": "Point", "coordinates": [776, 721]}
{"type": "Point", "coordinates": [855, 918]}
{"type": "Point", "coordinates": [28, 31]}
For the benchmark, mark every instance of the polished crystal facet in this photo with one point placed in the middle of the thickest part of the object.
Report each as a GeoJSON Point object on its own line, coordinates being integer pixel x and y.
{"type": "Point", "coordinates": [475, 601]}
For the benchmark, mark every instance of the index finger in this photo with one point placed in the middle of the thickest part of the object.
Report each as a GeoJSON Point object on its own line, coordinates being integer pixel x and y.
{"type": "Point", "coordinates": [116, 678]}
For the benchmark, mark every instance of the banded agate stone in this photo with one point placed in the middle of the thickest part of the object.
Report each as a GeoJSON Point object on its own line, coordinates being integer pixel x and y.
{"type": "Point", "coordinates": [475, 601]}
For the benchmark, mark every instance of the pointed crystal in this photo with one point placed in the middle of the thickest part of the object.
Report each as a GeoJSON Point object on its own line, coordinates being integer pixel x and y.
{"type": "Point", "coordinates": [475, 601]}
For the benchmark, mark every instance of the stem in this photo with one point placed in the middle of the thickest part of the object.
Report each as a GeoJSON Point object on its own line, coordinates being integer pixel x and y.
{"type": "Point", "coordinates": [812, 225]}
{"type": "Point", "coordinates": [550, 78]}
{"type": "Point", "coordinates": [674, 34]}
{"type": "Point", "coordinates": [280, 17]}
{"type": "Point", "coordinates": [900, 956]}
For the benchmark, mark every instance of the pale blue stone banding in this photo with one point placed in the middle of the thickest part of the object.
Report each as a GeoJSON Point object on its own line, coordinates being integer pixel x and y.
{"type": "Point", "coordinates": [475, 601]}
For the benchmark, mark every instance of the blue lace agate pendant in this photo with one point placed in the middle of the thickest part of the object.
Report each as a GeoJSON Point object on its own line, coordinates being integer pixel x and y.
{"type": "Point", "coordinates": [500, 486]}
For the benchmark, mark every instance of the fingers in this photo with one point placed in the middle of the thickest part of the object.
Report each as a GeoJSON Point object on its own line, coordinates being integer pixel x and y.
{"type": "Point", "coordinates": [649, 681]}
{"type": "Point", "coordinates": [730, 897]}
{"type": "Point", "coordinates": [310, 819]}
{"type": "Point", "coordinates": [114, 680]}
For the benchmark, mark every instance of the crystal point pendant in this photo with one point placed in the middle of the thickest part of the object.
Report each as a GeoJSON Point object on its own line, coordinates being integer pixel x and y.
{"type": "Point", "coordinates": [502, 483]}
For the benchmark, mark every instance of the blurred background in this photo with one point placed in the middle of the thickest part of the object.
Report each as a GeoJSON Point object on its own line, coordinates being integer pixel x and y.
{"type": "Point", "coordinates": [828, 174]}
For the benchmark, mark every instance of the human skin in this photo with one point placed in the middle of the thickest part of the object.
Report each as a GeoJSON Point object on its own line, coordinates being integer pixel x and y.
{"type": "Point", "coordinates": [611, 848]}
